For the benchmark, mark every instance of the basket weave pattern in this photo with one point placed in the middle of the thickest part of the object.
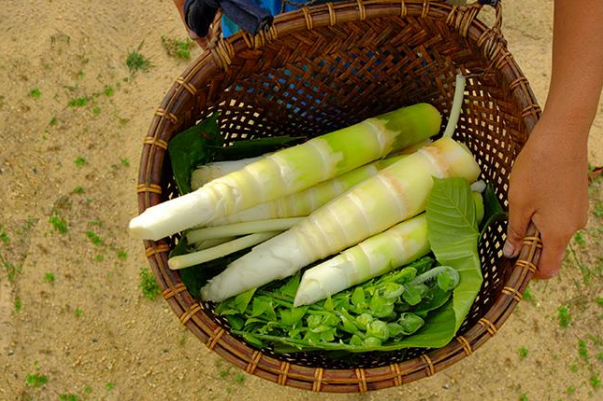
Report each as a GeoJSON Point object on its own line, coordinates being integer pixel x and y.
{"type": "Point", "coordinates": [329, 66]}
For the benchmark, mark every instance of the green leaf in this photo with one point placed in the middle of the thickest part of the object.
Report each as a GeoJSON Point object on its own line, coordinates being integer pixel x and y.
{"type": "Point", "coordinates": [411, 295]}
{"type": "Point", "coordinates": [314, 321]}
{"type": "Point", "coordinates": [289, 289]}
{"type": "Point", "coordinates": [380, 306]}
{"type": "Point", "coordinates": [191, 148]}
{"type": "Point", "coordinates": [438, 298]}
{"type": "Point", "coordinates": [255, 147]}
{"type": "Point", "coordinates": [236, 304]}
{"type": "Point", "coordinates": [236, 322]}
{"type": "Point", "coordinates": [448, 279]}
{"type": "Point", "coordinates": [291, 317]}
{"type": "Point", "coordinates": [358, 298]}
{"type": "Point", "coordinates": [378, 329]}
{"type": "Point", "coordinates": [452, 233]}
{"type": "Point", "coordinates": [493, 210]}
{"type": "Point", "coordinates": [410, 323]}
{"type": "Point", "coordinates": [263, 306]}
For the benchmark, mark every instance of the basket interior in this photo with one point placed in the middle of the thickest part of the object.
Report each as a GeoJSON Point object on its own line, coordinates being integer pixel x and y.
{"type": "Point", "coordinates": [316, 81]}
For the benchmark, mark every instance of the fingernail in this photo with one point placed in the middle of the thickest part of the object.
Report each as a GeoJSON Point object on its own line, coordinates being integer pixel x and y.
{"type": "Point", "coordinates": [508, 249]}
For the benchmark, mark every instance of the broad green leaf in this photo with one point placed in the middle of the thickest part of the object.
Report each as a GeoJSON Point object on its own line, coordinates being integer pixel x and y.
{"type": "Point", "coordinates": [191, 148]}
{"type": "Point", "coordinates": [452, 233]}
{"type": "Point", "coordinates": [293, 316]}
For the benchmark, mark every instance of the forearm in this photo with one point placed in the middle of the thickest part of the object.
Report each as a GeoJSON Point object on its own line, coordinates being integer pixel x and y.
{"type": "Point", "coordinates": [180, 6]}
{"type": "Point", "coordinates": [577, 74]}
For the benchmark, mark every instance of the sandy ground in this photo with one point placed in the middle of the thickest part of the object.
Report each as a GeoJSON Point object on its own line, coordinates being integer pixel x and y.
{"type": "Point", "coordinates": [92, 334]}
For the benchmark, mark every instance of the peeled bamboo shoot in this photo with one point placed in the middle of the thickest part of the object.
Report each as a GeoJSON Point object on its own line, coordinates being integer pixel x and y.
{"type": "Point", "coordinates": [397, 193]}
{"type": "Point", "coordinates": [290, 170]}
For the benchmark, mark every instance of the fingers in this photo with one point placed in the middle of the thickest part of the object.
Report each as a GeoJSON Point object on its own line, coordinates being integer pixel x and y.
{"type": "Point", "coordinates": [519, 218]}
{"type": "Point", "coordinates": [553, 251]}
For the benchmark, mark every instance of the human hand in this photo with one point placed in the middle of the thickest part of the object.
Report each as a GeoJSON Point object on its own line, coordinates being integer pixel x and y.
{"type": "Point", "coordinates": [203, 42]}
{"type": "Point", "coordinates": [549, 186]}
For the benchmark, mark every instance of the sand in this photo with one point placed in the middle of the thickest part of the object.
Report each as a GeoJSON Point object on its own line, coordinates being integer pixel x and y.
{"type": "Point", "coordinates": [91, 333]}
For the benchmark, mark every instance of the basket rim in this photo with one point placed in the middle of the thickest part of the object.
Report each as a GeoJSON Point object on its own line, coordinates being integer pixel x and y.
{"type": "Point", "coordinates": [191, 313]}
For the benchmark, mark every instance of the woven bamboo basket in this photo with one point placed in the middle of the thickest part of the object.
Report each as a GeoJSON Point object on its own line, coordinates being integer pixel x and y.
{"type": "Point", "coordinates": [329, 66]}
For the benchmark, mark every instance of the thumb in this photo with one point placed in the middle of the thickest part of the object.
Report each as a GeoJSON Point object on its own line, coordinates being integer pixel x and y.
{"type": "Point", "coordinates": [519, 219]}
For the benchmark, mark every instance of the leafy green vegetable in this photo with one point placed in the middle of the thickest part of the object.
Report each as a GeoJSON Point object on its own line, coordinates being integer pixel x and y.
{"type": "Point", "coordinates": [493, 211]}
{"type": "Point", "coordinates": [191, 148]}
{"type": "Point", "coordinates": [452, 233]}
{"type": "Point", "coordinates": [371, 316]}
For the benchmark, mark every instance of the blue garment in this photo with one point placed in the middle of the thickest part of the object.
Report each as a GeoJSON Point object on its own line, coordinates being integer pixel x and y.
{"type": "Point", "coordinates": [229, 28]}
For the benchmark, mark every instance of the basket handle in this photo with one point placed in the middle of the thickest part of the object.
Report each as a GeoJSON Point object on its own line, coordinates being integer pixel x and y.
{"type": "Point", "coordinates": [462, 15]}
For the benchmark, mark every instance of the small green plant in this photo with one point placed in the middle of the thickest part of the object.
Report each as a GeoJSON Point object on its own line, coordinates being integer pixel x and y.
{"type": "Point", "coordinates": [177, 48]}
{"type": "Point", "coordinates": [68, 397]}
{"type": "Point", "coordinates": [595, 381]}
{"type": "Point", "coordinates": [78, 102]}
{"type": "Point", "coordinates": [599, 209]}
{"type": "Point", "coordinates": [80, 161]}
{"type": "Point", "coordinates": [124, 162]}
{"type": "Point", "coordinates": [137, 62]}
{"type": "Point", "coordinates": [571, 390]}
{"type": "Point", "coordinates": [523, 352]}
{"type": "Point", "coordinates": [53, 121]}
{"type": "Point", "coordinates": [36, 380]}
{"type": "Point", "coordinates": [99, 258]}
{"type": "Point", "coordinates": [529, 297]}
{"type": "Point", "coordinates": [582, 349]}
{"type": "Point", "coordinates": [122, 255]}
{"type": "Point", "coordinates": [240, 378]}
{"type": "Point", "coordinates": [564, 316]}
{"type": "Point", "coordinates": [88, 390]}
{"type": "Point", "coordinates": [4, 236]}
{"type": "Point", "coordinates": [81, 74]}
{"type": "Point", "coordinates": [109, 91]}
{"type": "Point", "coordinates": [58, 223]}
{"type": "Point", "coordinates": [109, 386]}
{"type": "Point", "coordinates": [96, 111]}
{"type": "Point", "coordinates": [18, 305]}
{"type": "Point", "coordinates": [224, 373]}
{"type": "Point", "coordinates": [147, 284]}
{"type": "Point", "coordinates": [78, 190]}
{"type": "Point", "coordinates": [599, 301]}
{"type": "Point", "coordinates": [94, 238]}
{"type": "Point", "coordinates": [49, 277]}
{"type": "Point", "coordinates": [35, 93]}
{"type": "Point", "coordinates": [579, 238]}
{"type": "Point", "coordinates": [524, 397]}
{"type": "Point", "coordinates": [573, 367]}
{"type": "Point", "coordinates": [79, 312]}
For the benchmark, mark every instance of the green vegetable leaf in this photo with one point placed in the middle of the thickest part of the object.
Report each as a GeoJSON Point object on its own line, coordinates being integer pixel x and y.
{"type": "Point", "coordinates": [191, 148]}
{"type": "Point", "coordinates": [358, 298]}
{"type": "Point", "coordinates": [293, 316]}
{"type": "Point", "coordinates": [452, 233]}
{"type": "Point", "coordinates": [448, 279]}
{"type": "Point", "coordinates": [263, 306]}
{"type": "Point", "coordinates": [411, 295]}
{"type": "Point", "coordinates": [236, 304]}
{"type": "Point", "coordinates": [289, 289]}
{"type": "Point", "coordinates": [410, 323]}
{"type": "Point", "coordinates": [493, 210]}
